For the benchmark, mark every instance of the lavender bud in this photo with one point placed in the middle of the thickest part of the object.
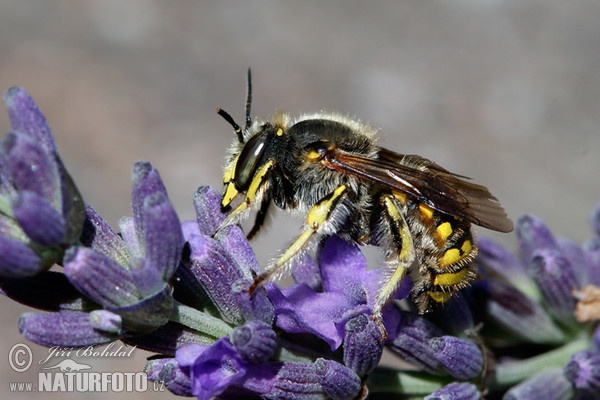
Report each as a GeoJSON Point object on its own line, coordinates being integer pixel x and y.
{"type": "Point", "coordinates": [363, 344]}
{"type": "Point", "coordinates": [18, 260]}
{"type": "Point", "coordinates": [296, 380]}
{"type": "Point", "coordinates": [412, 341]}
{"type": "Point", "coordinates": [548, 385]}
{"type": "Point", "coordinates": [255, 341]}
{"type": "Point", "coordinates": [208, 209]}
{"type": "Point", "coordinates": [533, 235]}
{"type": "Point", "coordinates": [40, 221]}
{"type": "Point", "coordinates": [65, 329]}
{"type": "Point", "coordinates": [456, 391]}
{"type": "Point", "coordinates": [167, 370]}
{"type": "Point", "coordinates": [557, 280]}
{"type": "Point", "coordinates": [461, 358]}
{"type": "Point", "coordinates": [99, 277]}
{"type": "Point", "coordinates": [583, 371]}
{"type": "Point", "coordinates": [339, 382]}
{"type": "Point", "coordinates": [520, 315]}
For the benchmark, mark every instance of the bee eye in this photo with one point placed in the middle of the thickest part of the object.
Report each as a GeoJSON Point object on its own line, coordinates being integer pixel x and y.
{"type": "Point", "coordinates": [249, 159]}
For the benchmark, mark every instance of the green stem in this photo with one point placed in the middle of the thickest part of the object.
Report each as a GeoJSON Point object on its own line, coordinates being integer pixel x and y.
{"type": "Point", "coordinates": [199, 321]}
{"type": "Point", "coordinates": [510, 373]}
{"type": "Point", "coordinates": [388, 380]}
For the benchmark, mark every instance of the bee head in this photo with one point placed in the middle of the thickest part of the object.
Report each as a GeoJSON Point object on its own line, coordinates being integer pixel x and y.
{"type": "Point", "coordinates": [253, 140]}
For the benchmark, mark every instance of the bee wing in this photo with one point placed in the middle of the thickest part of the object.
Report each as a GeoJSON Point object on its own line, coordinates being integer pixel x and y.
{"type": "Point", "coordinates": [428, 182]}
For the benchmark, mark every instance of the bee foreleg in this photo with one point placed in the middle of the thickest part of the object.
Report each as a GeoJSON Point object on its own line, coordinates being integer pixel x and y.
{"type": "Point", "coordinates": [260, 217]}
{"type": "Point", "coordinates": [400, 257]}
{"type": "Point", "coordinates": [255, 192]}
{"type": "Point", "coordinates": [317, 222]}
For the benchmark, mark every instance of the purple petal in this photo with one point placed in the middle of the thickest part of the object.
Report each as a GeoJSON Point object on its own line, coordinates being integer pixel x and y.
{"type": "Point", "coordinates": [299, 309]}
{"type": "Point", "coordinates": [26, 117]}
{"type": "Point", "coordinates": [344, 271]}
{"type": "Point", "coordinates": [234, 241]}
{"type": "Point", "coordinates": [215, 369]}
{"type": "Point", "coordinates": [306, 270]}
{"type": "Point", "coordinates": [208, 209]}
{"type": "Point", "coordinates": [40, 221]}
{"type": "Point", "coordinates": [238, 251]}
{"type": "Point", "coordinates": [163, 235]}
{"type": "Point", "coordinates": [65, 329]}
{"type": "Point", "coordinates": [533, 234]}
{"type": "Point", "coordinates": [220, 278]}
{"type": "Point", "coordinates": [98, 235]}
{"type": "Point", "coordinates": [18, 260]}
{"type": "Point", "coordinates": [31, 167]}
{"type": "Point", "coordinates": [146, 182]}
{"type": "Point", "coordinates": [100, 278]}
{"type": "Point", "coordinates": [147, 277]}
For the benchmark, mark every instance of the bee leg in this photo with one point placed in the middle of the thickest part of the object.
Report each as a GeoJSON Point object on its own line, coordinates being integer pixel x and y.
{"type": "Point", "coordinates": [255, 192]}
{"type": "Point", "coordinates": [317, 222]}
{"type": "Point", "coordinates": [260, 217]}
{"type": "Point", "coordinates": [400, 257]}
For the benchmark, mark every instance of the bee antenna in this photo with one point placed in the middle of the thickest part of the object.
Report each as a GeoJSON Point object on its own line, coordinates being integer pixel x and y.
{"type": "Point", "coordinates": [248, 100]}
{"type": "Point", "coordinates": [236, 127]}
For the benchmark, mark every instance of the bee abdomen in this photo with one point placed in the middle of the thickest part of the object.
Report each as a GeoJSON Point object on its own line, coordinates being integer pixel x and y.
{"type": "Point", "coordinates": [447, 258]}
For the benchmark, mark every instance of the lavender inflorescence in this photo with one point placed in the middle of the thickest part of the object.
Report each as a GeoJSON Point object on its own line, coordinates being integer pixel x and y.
{"type": "Point", "coordinates": [527, 329]}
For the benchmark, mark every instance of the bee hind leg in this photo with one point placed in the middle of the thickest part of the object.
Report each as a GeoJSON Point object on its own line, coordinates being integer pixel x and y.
{"type": "Point", "coordinates": [400, 257]}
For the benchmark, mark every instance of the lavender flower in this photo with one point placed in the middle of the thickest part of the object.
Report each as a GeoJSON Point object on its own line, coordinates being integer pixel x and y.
{"type": "Point", "coordinates": [127, 276]}
{"type": "Point", "coordinates": [41, 210]}
{"type": "Point", "coordinates": [527, 329]}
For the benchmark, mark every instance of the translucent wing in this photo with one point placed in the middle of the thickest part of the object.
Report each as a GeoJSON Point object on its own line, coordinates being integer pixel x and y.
{"type": "Point", "coordinates": [427, 182]}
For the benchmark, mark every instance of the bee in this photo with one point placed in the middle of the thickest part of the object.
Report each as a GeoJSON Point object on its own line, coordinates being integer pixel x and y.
{"type": "Point", "coordinates": [331, 169]}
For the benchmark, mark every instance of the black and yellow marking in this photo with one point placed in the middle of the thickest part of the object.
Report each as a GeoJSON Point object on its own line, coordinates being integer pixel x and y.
{"type": "Point", "coordinates": [426, 213]}
{"type": "Point", "coordinates": [259, 179]}
{"type": "Point", "coordinates": [404, 255]}
{"type": "Point", "coordinates": [400, 232]}
{"type": "Point", "coordinates": [455, 254]}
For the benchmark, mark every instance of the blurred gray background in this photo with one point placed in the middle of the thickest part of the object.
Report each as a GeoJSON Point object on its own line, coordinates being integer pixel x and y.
{"type": "Point", "coordinates": [506, 92]}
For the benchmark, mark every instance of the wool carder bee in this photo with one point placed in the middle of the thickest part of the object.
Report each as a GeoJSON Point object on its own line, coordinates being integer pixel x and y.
{"type": "Point", "coordinates": [331, 169]}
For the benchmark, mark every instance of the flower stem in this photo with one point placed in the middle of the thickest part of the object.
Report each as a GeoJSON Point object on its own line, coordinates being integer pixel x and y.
{"type": "Point", "coordinates": [409, 383]}
{"type": "Point", "coordinates": [199, 321]}
{"type": "Point", "coordinates": [510, 373]}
